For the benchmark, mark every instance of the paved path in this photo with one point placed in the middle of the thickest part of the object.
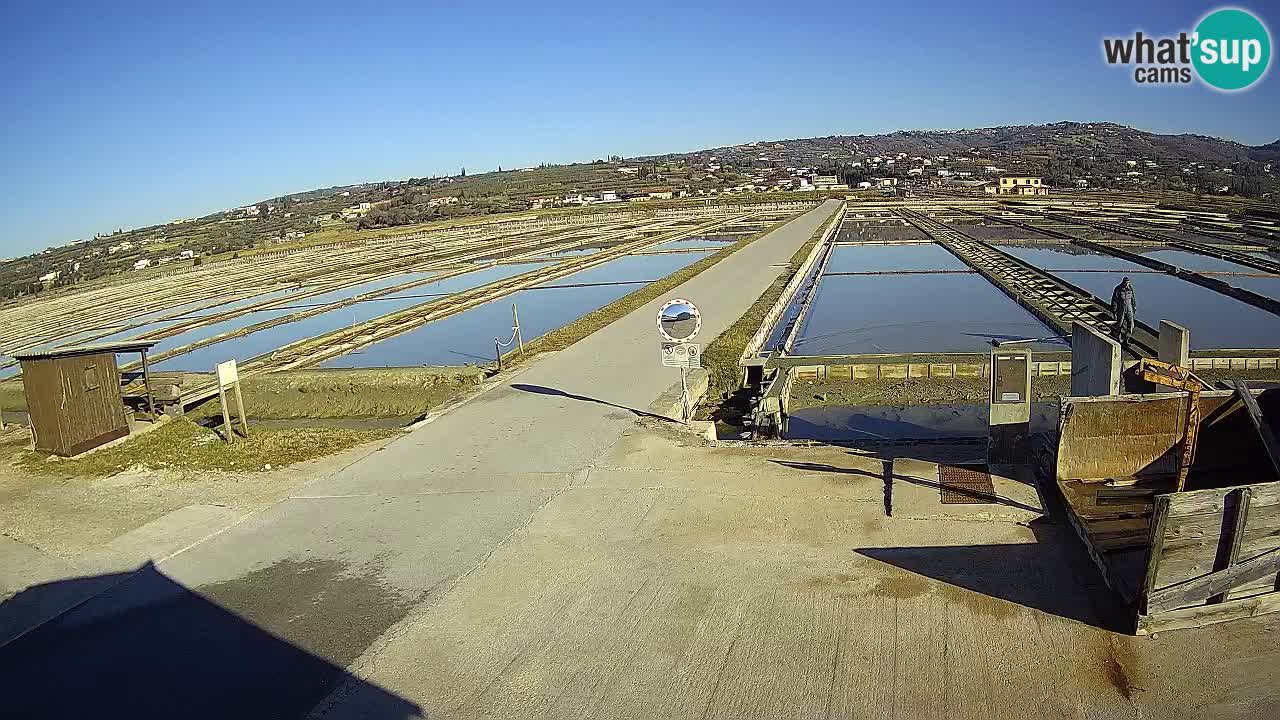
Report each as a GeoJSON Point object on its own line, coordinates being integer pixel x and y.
{"type": "Point", "coordinates": [264, 619]}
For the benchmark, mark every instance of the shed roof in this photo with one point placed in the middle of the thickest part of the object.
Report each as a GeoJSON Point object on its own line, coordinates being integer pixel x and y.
{"type": "Point", "coordinates": [57, 352]}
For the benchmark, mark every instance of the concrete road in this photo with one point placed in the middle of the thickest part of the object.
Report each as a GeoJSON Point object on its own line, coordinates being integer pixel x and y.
{"type": "Point", "coordinates": [332, 569]}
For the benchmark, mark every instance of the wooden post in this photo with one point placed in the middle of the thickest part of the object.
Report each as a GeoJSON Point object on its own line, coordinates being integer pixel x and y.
{"type": "Point", "coordinates": [226, 416]}
{"type": "Point", "coordinates": [515, 321]}
{"type": "Point", "coordinates": [244, 420]}
{"type": "Point", "coordinates": [1155, 548]}
{"type": "Point", "coordinates": [497, 351]}
{"type": "Point", "coordinates": [1229, 550]}
{"type": "Point", "coordinates": [146, 381]}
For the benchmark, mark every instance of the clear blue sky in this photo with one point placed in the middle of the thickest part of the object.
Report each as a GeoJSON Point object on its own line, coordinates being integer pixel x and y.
{"type": "Point", "coordinates": [128, 114]}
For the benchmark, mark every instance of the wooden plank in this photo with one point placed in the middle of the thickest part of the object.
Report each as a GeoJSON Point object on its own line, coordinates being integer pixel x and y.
{"type": "Point", "coordinates": [1159, 517]}
{"type": "Point", "coordinates": [1197, 590]}
{"type": "Point", "coordinates": [1113, 582]}
{"type": "Point", "coordinates": [1193, 502]}
{"type": "Point", "coordinates": [1124, 495]}
{"type": "Point", "coordinates": [1081, 497]}
{"type": "Point", "coordinates": [1260, 424]}
{"type": "Point", "coordinates": [1202, 615]}
{"type": "Point", "coordinates": [1230, 548]}
{"type": "Point", "coordinates": [1191, 546]}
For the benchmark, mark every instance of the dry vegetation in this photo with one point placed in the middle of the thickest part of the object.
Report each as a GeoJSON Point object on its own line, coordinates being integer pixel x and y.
{"type": "Point", "coordinates": [183, 446]}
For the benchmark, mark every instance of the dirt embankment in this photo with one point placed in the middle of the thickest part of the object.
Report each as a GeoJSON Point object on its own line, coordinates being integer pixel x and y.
{"type": "Point", "coordinates": [914, 391]}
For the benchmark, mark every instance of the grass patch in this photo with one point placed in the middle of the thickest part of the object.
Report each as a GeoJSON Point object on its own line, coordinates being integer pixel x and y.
{"type": "Point", "coordinates": [720, 358]}
{"type": "Point", "coordinates": [365, 393]}
{"type": "Point", "coordinates": [184, 446]}
{"type": "Point", "coordinates": [407, 392]}
{"type": "Point", "coordinates": [598, 319]}
{"type": "Point", "coordinates": [12, 396]}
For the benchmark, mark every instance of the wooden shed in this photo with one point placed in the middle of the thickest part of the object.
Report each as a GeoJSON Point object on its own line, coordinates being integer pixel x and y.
{"type": "Point", "coordinates": [74, 395]}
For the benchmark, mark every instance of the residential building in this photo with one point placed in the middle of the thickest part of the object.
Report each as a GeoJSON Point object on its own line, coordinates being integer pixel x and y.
{"type": "Point", "coordinates": [1021, 185]}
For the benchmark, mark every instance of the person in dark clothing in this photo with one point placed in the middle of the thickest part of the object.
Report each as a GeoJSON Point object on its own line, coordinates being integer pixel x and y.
{"type": "Point", "coordinates": [1124, 305]}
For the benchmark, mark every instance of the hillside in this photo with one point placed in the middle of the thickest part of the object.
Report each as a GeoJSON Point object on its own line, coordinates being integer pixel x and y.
{"type": "Point", "coordinates": [1099, 155]}
{"type": "Point", "coordinates": [1265, 153]}
{"type": "Point", "coordinates": [1063, 140]}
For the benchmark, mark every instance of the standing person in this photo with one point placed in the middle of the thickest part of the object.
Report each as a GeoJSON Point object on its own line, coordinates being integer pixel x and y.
{"type": "Point", "coordinates": [1124, 305]}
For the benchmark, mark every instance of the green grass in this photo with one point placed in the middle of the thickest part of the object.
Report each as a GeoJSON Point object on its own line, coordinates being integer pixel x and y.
{"type": "Point", "coordinates": [184, 446]}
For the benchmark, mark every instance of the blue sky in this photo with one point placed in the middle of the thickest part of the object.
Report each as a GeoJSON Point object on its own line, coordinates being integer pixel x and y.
{"type": "Point", "coordinates": [126, 114]}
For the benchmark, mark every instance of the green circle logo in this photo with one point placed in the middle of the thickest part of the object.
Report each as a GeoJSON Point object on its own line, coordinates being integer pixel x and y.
{"type": "Point", "coordinates": [1232, 49]}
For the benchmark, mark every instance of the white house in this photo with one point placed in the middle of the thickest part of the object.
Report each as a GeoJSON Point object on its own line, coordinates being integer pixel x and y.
{"type": "Point", "coordinates": [143, 263]}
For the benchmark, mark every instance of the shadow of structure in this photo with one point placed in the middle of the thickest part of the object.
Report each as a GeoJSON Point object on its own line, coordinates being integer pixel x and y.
{"type": "Point", "coordinates": [543, 390]}
{"type": "Point", "coordinates": [1051, 575]}
{"type": "Point", "coordinates": [888, 476]}
{"type": "Point", "coordinates": [148, 647]}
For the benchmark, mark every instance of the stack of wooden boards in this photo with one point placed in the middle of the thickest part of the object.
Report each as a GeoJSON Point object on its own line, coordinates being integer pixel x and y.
{"type": "Point", "coordinates": [1114, 519]}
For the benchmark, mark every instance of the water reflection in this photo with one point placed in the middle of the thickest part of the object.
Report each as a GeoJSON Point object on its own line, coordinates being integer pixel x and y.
{"type": "Point", "coordinates": [913, 314]}
{"type": "Point", "coordinates": [467, 337]}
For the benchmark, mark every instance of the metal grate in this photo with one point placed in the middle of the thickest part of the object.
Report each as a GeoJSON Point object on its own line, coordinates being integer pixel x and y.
{"type": "Point", "coordinates": [966, 485]}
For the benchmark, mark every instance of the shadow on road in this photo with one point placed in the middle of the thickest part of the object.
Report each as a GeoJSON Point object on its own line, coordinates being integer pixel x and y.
{"type": "Point", "coordinates": [1050, 575]}
{"type": "Point", "coordinates": [543, 390]}
{"type": "Point", "coordinates": [148, 647]}
{"type": "Point", "coordinates": [887, 475]}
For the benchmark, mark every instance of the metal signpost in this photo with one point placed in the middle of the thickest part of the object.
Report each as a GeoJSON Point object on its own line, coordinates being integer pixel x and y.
{"type": "Point", "coordinates": [229, 378]}
{"type": "Point", "coordinates": [679, 322]}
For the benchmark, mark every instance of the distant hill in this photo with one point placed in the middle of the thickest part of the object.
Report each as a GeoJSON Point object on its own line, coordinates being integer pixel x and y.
{"type": "Point", "coordinates": [1100, 155]}
{"type": "Point", "coordinates": [1062, 140]}
{"type": "Point", "coordinates": [1265, 153]}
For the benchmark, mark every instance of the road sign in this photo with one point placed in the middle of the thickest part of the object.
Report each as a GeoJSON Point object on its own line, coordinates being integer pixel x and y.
{"type": "Point", "coordinates": [682, 355]}
{"type": "Point", "coordinates": [229, 379]}
{"type": "Point", "coordinates": [228, 374]}
{"type": "Point", "coordinates": [679, 321]}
